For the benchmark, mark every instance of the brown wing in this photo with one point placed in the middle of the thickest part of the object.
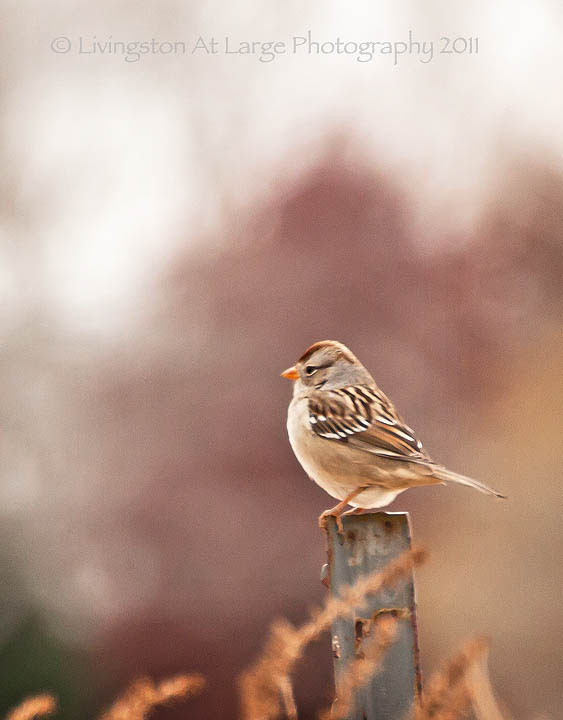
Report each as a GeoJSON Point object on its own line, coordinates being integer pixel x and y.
{"type": "Point", "coordinates": [364, 417]}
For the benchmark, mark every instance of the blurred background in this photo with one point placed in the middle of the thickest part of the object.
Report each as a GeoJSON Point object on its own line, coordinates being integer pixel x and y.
{"type": "Point", "coordinates": [175, 230]}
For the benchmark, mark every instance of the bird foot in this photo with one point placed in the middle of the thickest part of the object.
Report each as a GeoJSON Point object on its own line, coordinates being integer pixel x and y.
{"type": "Point", "coordinates": [334, 512]}
{"type": "Point", "coordinates": [337, 511]}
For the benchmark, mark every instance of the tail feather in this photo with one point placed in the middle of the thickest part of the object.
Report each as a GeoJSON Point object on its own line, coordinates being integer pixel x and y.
{"type": "Point", "coordinates": [449, 476]}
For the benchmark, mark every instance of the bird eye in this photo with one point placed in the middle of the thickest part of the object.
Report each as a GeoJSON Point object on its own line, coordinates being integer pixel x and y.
{"type": "Point", "coordinates": [310, 369]}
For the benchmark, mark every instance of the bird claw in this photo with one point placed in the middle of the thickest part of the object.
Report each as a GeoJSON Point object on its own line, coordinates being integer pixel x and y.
{"type": "Point", "coordinates": [324, 516]}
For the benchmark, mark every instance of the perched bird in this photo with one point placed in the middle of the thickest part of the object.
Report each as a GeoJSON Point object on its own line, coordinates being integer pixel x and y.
{"type": "Point", "coordinates": [349, 438]}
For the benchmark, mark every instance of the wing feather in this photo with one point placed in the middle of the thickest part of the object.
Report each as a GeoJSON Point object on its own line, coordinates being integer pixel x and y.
{"type": "Point", "coordinates": [365, 418]}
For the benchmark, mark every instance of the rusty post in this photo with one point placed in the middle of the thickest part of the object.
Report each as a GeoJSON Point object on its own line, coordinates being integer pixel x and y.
{"type": "Point", "coordinates": [371, 541]}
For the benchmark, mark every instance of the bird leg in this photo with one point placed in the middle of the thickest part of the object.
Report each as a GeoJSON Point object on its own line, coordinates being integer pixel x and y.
{"type": "Point", "coordinates": [338, 510]}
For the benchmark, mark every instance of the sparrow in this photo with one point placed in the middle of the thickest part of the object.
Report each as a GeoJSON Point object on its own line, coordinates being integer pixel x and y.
{"type": "Point", "coordinates": [349, 438]}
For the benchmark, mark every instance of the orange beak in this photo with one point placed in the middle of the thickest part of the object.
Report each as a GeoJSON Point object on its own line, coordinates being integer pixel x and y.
{"type": "Point", "coordinates": [291, 373]}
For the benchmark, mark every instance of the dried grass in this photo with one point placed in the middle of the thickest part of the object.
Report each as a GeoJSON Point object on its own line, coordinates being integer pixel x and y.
{"type": "Point", "coordinates": [448, 694]}
{"type": "Point", "coordinates": [135, 704]}
{"type": "Point", "coordinates": [33, 707]}
{"type": "Point", "coordinates": [144, 695]}
{"type": "Point", "coordinates": [482, 696]}
{"type": "Point", "coordinates": [266, 686]}
{"type": "Point", "coordinates": [267, 683]}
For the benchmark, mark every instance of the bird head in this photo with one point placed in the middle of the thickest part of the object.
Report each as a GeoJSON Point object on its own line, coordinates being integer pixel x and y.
{"type": "Point", "coordinates": [328, 364]}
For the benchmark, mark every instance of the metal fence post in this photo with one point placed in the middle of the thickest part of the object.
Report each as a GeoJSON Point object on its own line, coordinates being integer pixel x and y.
{"type": "Point", "coordinates": [370, 541]}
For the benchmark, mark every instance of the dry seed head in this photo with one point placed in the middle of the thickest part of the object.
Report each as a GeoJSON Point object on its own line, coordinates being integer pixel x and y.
{"type": "Point", "coordinates": [144, 695]}
{"type": "Point", "coordinates": [34, 707]}
{"type": "Point", "coordinates": [447, 695]}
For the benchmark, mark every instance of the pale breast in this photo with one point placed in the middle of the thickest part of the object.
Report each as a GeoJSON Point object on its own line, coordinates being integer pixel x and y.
{"type": "Point", "coordinates": [319, 458]}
